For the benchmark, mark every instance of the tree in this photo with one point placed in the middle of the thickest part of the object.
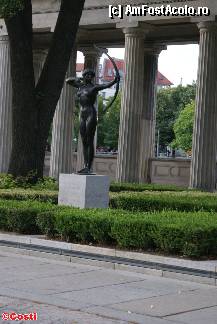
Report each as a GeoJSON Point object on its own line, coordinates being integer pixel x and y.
{"type": "Point", "coordinates": [100, 122]}
{"type": "Point", "coordinates": [183, 128]}
{"type": "Point", "coordinates": [108, 125]}
{"type": "Point", "coordinates": [169, 104]}
{"type": "Point", "coordinates": [34, 104]}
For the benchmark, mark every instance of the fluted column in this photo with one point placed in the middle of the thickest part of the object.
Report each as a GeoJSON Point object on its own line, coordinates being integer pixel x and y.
{"type": "Point", "coordinates": [63, 127]}
{"type": "Point", "coordinates": [148, 117]}
{"type": "Point", "coordinates": [5, 105]}
{"type": "Point", "coordinates": [131, 108]}
{"type": "Point", "coordinates": [91, 61]}
{"type": "Point", "coordinates": [203, 165]}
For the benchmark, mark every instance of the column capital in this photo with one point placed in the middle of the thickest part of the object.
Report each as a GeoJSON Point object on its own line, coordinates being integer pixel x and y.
{"type": "Point", "coordinates": [154, 49]}
{"type": "Point", "coordinates": [206, 26]}
{"type": "Point", "coordinates": [140, 32]}
{"type": "Point", "coordinates": [4, 38]}
{"type": "Point", "coordinates": [91, 51]}
{"type": "Point", "coordinates": [135, 29]}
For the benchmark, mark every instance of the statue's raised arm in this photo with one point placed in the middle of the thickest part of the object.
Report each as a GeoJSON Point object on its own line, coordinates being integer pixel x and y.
{"type": "Point", "coordinates": [75, 82]}
{"type": "Point", "coordinates": [116, 80]}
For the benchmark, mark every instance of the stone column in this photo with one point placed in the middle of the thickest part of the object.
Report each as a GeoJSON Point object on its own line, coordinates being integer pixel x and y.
{"type": "Point", "coordinates": [63, 126]}
{"type": "Point", "coordinates": [203, 165]}
{"type": "Point", "coordinates": [148, 117]}
{"type": "Point", "coordinates": [128, 162]}
{"type": "Point", "coordinates": [5, 105]}
{"type": "Point", "coordinates": [91, 61]}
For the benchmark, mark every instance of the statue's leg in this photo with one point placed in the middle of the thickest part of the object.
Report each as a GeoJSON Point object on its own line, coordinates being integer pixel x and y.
{"type": "Point", "coordinates": [91, 129]}
{"type": "Point", "coordinates": [83, 132]}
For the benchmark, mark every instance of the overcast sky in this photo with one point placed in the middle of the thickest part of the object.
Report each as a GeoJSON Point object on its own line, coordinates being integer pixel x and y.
{"type": "Point", "coordinates": [178, 63]}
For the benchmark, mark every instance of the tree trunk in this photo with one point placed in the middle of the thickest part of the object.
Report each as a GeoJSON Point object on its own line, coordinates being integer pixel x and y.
{"type": "Point", "coordinates": [34, 106]}
{"type": "Point", "coordinates": [24, 115]}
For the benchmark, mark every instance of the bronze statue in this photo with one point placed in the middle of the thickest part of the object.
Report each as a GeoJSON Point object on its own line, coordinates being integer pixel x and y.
{"type": "Point", "coordinates": [87, 94]}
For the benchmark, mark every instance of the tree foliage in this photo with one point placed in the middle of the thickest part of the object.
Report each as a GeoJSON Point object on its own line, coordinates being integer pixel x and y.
{"type": "Point", "coordinates": [170, 102]}
{"type": "Point", "coordinates": [108, 125]}
{"type": "Point", "coordinates": [9, 8]}
{"type": "Point", "coordinates": [183, 128]}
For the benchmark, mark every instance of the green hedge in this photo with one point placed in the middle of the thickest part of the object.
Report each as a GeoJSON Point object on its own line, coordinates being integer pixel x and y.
{"type": "Point", "coordinates": [118, 187]}
{"type": "Point", "coordinates": [20, 216]}
{"type": "Point", "coordinates": [183, 201]}
{"type": "Point", "coordinates": [131, 201]}
{"type": "Point", "coordinates": [7, 181]}
{"type": "Point", "coordinates": [192, 234]}
{"type": "Point", "coordinates": [29, 194]}
{"type": "Point", "coordinates": [186, 234]}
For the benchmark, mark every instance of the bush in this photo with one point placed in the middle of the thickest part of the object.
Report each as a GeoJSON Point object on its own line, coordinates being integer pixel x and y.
{"type": "Point", "coordinates": [183, 201]}
{"type": "Point", "coordinates": [7, 181]}
{"type": "Point", "coordinates": [192, 234]}
{"type": "Point", "coordinates": [77, 225]}
{"type": "Point", "coordinates": [29, 194]}
{"type": "Point", "coordinates": [118, 187]}
{"type": "Point", "coordinates": [20, 216]}
{"type": "Point", "coordinates": [187, 234]}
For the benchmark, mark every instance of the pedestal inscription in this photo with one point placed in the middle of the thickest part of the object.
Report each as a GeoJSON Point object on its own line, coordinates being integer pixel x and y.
{"type": "Point", "coordinates": [84, 191]}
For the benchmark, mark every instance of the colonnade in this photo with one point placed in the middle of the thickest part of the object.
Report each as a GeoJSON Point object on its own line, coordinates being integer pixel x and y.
{"type": "Point", "coordinates": [138, 110]}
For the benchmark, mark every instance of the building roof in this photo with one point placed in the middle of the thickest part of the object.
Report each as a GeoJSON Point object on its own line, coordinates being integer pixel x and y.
{"type": "Point", "coordinates": [108, 72]}
{"type": "Point", "coordinates": [162, 80]}
{"type": "Point", "coordinates": [79, 67]}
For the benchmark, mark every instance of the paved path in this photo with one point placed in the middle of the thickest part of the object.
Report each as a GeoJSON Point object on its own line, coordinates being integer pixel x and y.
{"type": "Point", "coordinates": [62, 292]}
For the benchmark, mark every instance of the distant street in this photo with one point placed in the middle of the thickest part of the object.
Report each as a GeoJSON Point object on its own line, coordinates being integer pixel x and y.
{"type": "Point", "coordinates": [62, 292]}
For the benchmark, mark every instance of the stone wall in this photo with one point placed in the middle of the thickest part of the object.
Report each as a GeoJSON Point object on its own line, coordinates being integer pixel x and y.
{"type": "Point", "coordinates": [163, 171]}
{"type": "Point", "coordinates": [171, 171]}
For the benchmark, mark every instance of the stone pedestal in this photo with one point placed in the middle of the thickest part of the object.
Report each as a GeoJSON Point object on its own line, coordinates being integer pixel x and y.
{"type": "Point", "coordinates": [203, 165]}
{"type": "Point", "coordinates": [5, 105]}
{"type": "Point", "coordinates": [84, 191]}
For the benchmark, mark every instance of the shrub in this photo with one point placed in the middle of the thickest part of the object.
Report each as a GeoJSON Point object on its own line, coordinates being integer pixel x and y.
{"type": "Point", "coordinates": [20, 216]}
{"type": "Point", "coordinates": [156, 201]}
{"type": "Point", "coordinates": [7, 181]}
{"type": "Point", "coordinates": [189, 234]}
{"type": "Point", "coordinates": [192, 234]}
{"type": "Point", "coordinates": [118, 187]}
{"type": "Point", "coordinates": [47, 183]}
{"type": "Point", "coordinates": [29, 194]}
{"type": "Point", "coordinates": [77, 225]}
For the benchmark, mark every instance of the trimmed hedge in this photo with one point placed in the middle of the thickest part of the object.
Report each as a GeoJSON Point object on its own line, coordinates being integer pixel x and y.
{"type": "Point", "coordinates": [155, 201]}
{"type": "Point", "coordinates": [29, 194]}
{"type": "Point", "coordinates": [179, 233]}
{"type": "Point", "coordinates": [132, 201]}
{"type": "Point", "coordinates": [118, 187]}
{"type": "Point", "coordinates": [20, 216]}
{"type": "Point", "coordinates": [186, 234]}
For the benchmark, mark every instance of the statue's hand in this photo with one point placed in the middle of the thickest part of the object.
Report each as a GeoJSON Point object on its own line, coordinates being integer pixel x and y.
{"type": "Point", "coordinates": [69, 80]}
